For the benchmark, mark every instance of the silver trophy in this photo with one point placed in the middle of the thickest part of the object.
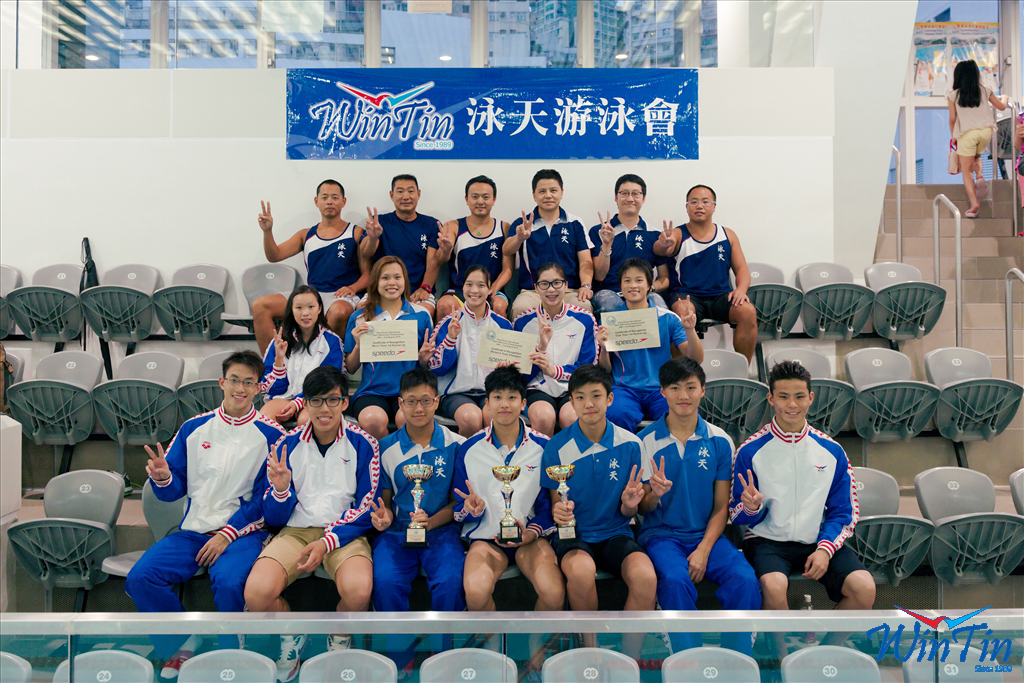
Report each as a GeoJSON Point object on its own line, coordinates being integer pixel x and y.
{"type": "Point", "coordinates": [416, 534]}
{"type": "Point", "coordinates": [560, 473]}
{"type": "Point", "coordinates": [509, 527]}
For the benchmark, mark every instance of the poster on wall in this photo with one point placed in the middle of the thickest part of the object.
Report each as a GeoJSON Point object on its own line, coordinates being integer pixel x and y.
{"type": "Point", "coordinates": [492, 114]}
{"type": "Point", "coordinates": [940, 46]}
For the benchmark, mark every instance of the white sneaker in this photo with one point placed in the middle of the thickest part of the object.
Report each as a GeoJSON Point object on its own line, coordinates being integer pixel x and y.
{"type": "Point", "coordinates": [173, 665]}
{"type": "Point", "coordinates": [291, 653]}
{"type": "Point", "coordinates": [339, 642]}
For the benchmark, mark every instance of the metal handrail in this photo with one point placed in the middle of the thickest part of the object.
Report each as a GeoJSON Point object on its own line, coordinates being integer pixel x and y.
{"type": "Point", "coordinates": [959, 274]}
{"type": "Point", "coordinates": [1012, 273]}
{"type": "Point", "coordinates": [1015, 109]}
{"type": "Point", "coordinates": [899, 204]}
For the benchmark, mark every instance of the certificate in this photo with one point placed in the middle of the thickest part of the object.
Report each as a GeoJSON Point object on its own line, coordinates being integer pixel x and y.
{"type": "Point", "coordinates": [389, 340]}
{"type": "Point", "coordinates": [498, 345]}
{"type": "Point", "coordinates": [629, 330]}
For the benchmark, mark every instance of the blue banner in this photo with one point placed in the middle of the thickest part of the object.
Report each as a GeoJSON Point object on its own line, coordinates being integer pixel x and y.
{"type": "Point", "coordinates": [492, 114]}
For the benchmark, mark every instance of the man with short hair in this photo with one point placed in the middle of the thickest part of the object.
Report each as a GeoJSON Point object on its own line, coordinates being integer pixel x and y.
{"type": "Point", "coordinates": [686, 506]}
{"type": "Point", "coordinates": [622, 236]}
{"type": "Point", "coordinates": [410, 236]}
{"type": "Point", "coordinates": [549, 234]}
{"type": "Point", "coordinates": [323, 477]}
{"type": "Point", "coordinates": [330, 252]}
{"type": "Point", "coordinates": [702, 254]}
{"type": "Point", "coordinates": [218, 460]}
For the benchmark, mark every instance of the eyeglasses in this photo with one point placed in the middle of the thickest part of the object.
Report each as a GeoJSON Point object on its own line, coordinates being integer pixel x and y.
{"type": "Point", "coordinates": [247, 383]}
{"type": "Point", "coordinates": [424, 402]}
{"type": "Point", "coordinates": [331, 401]}
{"type": "Point", "coordinates": [544, 285]}
{"type": "Point", "coordinates": [626, 195]}
{"type": "Point", "coordinates": [701, 202]}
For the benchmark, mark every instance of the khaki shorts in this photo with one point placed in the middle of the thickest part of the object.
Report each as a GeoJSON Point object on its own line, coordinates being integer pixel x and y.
{"type": "Point", "coordinates": [287, 546]}
{"type": "Point", "coordinates": [973, 142]}
{"type": "Point", "coordinates": [529, 299]}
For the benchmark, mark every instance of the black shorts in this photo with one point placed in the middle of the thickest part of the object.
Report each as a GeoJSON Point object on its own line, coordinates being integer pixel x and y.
{"type": "Point", "coordinates": [788, 557]}
{"type": "Point", "coordinates": [608, 554]}
{"type": "Point", "coordinates": [534, 395]}
{"type": "Point", "coordinates": [389, 404]}
{"type": "Point", "coordinates": [715, 308]}
{"type": "Point", "coordinates": [452, 402]}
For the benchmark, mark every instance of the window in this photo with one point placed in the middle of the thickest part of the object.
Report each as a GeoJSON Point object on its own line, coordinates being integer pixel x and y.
{"type": "Point", "coordinates": [545, 36]}
{"type": "Point", "coordinates": [427, 40]}
{"type": "Point", "coordinates": [334, 41]}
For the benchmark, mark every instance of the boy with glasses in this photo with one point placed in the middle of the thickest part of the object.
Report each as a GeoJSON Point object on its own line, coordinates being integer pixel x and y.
{"type": "Point", "coordinates": [701, 254]}
{"type": "Point", "coordinates": [218, 460]}
{"type": "Point", "coordinates": [622, 236]}
{"type": "Point", "coordinates": [323, 477]}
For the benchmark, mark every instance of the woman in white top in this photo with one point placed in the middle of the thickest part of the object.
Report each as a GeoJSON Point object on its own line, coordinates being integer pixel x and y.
{"type": "Point", "coordinates": [971, 124]}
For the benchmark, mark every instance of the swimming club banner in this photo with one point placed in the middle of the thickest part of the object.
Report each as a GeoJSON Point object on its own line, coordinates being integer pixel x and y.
{"type": "Point", "coordinates": [492, 114]}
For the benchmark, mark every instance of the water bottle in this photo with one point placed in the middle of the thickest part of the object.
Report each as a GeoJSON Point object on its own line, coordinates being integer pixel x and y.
{"type": "Point", "coordinates": [809, 637]}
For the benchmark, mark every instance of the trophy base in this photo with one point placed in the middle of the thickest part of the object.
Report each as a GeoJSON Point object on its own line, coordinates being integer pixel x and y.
{"type": "Point", "coordinates": [511, 534]}
{"type": "Point", "coordinates": [415, 537]}
{"type": "Point", "coordinates": [567, 533]}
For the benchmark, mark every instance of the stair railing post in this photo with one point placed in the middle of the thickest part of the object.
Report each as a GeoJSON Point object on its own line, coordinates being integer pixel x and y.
{"type": "Point", "coordinates": [1012, 273]}
{"type": "Point", "coordinates": [899, 204]}
{"type": "Point", "coordinates": [959, 274]}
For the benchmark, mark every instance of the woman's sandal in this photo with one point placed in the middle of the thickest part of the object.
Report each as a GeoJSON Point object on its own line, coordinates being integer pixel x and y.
{"type": "Point", "coordinates": [972, 214]}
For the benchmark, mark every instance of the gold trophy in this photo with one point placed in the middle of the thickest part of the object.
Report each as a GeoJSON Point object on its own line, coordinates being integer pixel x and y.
{"type": "Point", "coordinates": [416, 534]}
{"type": "Point", "coordinates": [510, 531]}
{"type": "Point", "coordinates": [560, 473]}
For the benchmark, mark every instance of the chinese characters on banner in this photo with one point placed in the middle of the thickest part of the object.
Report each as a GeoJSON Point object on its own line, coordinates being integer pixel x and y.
{"type": "Point", "coordinates": [492, 114]}
{"type": "Point", "coordinates": [939, 47]}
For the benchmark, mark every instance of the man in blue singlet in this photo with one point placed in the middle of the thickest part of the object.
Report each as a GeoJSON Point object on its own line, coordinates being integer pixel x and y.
{"type": "Point", "coordinates": [330, 252]}
{"type": "Point", "coordinates": [408, 235]}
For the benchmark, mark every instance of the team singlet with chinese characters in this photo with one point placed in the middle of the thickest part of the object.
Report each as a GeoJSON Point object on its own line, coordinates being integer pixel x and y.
{"type": "Point", "coordinates": [471, 250]}
{"type": "Point", "coordinates": [331, 264]}
{"type": "Point", "coordinates": [702, 268]}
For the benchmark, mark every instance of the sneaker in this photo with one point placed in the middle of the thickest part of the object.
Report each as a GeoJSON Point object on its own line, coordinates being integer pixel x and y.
{"type": "Point", "coordinates": [339, 642]}
{"type": "Point", "coordinates": [173, 665]}
{"type": "Point", "coordinates": [291, 653]}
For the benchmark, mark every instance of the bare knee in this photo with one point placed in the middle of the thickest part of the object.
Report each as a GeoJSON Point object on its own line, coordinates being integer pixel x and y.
{"type": "Point", "coordinates": [446, 306]}
{"type": "Point", "coordinates": [773, 589]}
{"type": "Point", "coordinates": [479, 587]}
{"type": "Point", "coordinates": [268, 306]}
{"type": "Point", "coordinates": [375, 421]}
{"type": "Point", "coordinates": [470, 419]}
{"type": "Point", "coordinates": [355, 584]}
{"type": "Point", "coordinates": [567, 415]}
{"type": "Point", "coordinates": [859, 588]}
{"type": "Point", "coordinates": [579, 570]}
{"type": "Point", "coordinates": [639, 575]}
{"type": "Point", "coordinates": [499, 306]}
{"type": "Point", "coordinates": [338, 315]}
{"type": "Point", "coordinates": [744, 316]}
{"type": "Point", "coordinates": [263, 587]}
{"type": "Point", "coordinates": [542, 417]}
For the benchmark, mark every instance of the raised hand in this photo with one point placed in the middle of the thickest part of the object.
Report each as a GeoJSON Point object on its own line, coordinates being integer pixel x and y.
{"type": "Point", "coordinates": [633, 492]}
{"type": "Point", "coordinates": [381, 515]}
{"type": "Point", "coordinates": [473, 504]}
{"type": "Point", "coordinates": [544, 331]}
{"type": "Point", "coordinates": [689, 320]}
{"type": "Point", "coordinates": [455, 326]}
{"type": "Point", "coordinates": [667, 239]}
{"type": "Point", "coordinates": [157, 467]}
{"type": "Point", "coordinates": [660, 485]}
{"type": "Point", "coordinates": [361, 328]}
{"type": "Point", "coordinates": [313, 554]}
{"type": "Point", "coordinates": [524, 229]}
{"type": "Point", "coordinates": [541, 360]}
{"type": "Point", "coordinates": [445, 243]}
{"type": "Point", "coordinates": [278, 474]}
{"type": "Point", "coordinates": [373, 226]}
{"type": "Point", "coordinates": [265, 219]}
{"type": "Point", "coordinates": [601, 335]}
{"type": "Point", "coordinates": [428, 348]}
{"type": "Point", "coordinates": [751, 497]}
{"type": "Point", "coordinates": [280, 348]}
{"type": "Point", "coordinates": [607, 232]}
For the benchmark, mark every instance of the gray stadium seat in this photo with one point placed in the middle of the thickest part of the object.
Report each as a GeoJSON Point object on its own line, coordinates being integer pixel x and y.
{"type": "Point", "coordinates": [120, 309]}
{"type": "Point", "coordinates": [833, 306]}
{"type": "Point", "coordinates": [889, 405]}
{"type": "Point", "coordinates": [829, 664]}
{"type": "Point", "coordinates": [732, 401]}
{"type": "Point", "coordinates": [189, 310]}
{"type": "Point", "coordinates": [140, 406]}
{"type": "Point", "coordinates": [588, 664]}
{"type": "Point", "coordinates": [1017, 490]}
{"type": "Point", "coordinates": [66, 549]}
{"type": "Point", "coordinates": [56, 407]}
{"type": "Point", "coordinates": [702, 664]}
{"type": "Point", "coordinates": [468, 664]}
{"type": "Point", "coordinates": [10, 279]}
{"type": "Point", "coordinates": [240, 666]}
{"type": "Point", "coordinates": [162, 518]}
{"type": "Point", "coordinates": [263, 280]}
{"type": "Point", "coordinates": [48, 309]}
{"type": "Point", "coordinates": [905, 307]}
{"type": "Point", "coordinates": [204, 394]}
{"type": "Point", "coordinates": [349, 665]}
{"type": "Point", "coordinates": [971, 543]}
{"type": "Point", "coordinates": [950, 671]}
{"type": "Point", "coordinates": [833, 399]}
{"type": "Point", "coordinates": [14, 669]}
{"type": "Point", "coordinates": [17, 367]}
{"type": "Point", "coordinates": [113, 666]}
{"type": "Point", "coordinates": [972, 405]}
{"type": "Point", "coordinates": [891, 546]}
{"type": "Point", "coordinates": [777, 304]}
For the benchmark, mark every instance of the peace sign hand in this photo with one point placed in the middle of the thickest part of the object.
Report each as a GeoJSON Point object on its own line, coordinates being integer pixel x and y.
{"type": "Point", "coordinates": [633, 492]}
{"type": "Point", "coordinates": [280, 348]}
{"type": "Point", "coordinates": [607, 232]}
{"type": "Point", "coordinates": [667, 239]}
{"type": "Point", "coordinates": [445, 243]}
{"type": "Point", "coordinates": [381, 515]}
{"type": "Point", "coordinates": [689, 319]}
{"type": "Point", "coordinates": [473, 504]}
{"type": "Point", "coordinates": [659, 484]}
{"type": "Point", "coordinates": [427, 350]}
{"type": "Point", "coordinates": [523, 229]}
{"type": "Point", "coordinates": [265, 219]}
{"type": "Point", "coordinates": [278, 473]}
{"type": "Point", "coordinates": [373, 226]}
{"type": "Point", "coordinates": [544, 331]}
{"type": "Point", "coordinates": [751, 497]}
{"type": "Point", "coordinates": [157, 468]}
{"type": "Point", "coordinates": [455, 326]}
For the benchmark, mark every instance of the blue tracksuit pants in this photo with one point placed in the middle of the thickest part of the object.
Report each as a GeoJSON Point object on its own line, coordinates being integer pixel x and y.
{"type": "Point", "coordinates": [738, 588]}
{"type": "Point", "coordinates": [630, 406]}
{"type": "Point", "coordinates": [173, 560]}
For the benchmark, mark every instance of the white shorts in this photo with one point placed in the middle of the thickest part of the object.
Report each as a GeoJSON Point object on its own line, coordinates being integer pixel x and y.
{"type": "Point", "coordinates": [328, 298]}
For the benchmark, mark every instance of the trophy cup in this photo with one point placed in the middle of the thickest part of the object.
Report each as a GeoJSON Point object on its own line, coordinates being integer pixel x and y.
{"type": "Point", "coordinates": [416, 534]}
{"type": "Point", "coordinates": [560, 473]}
{"type": "Point", "coordinates": [510, 531]}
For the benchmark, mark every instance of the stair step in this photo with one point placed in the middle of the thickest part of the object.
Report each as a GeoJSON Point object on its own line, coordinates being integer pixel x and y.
{"type": "Point", "coordinates": [972, 268]}
{"type": "Point", "coordinates": [969, 227]}
{"type": "Point", "coordinates": [1001, 190]}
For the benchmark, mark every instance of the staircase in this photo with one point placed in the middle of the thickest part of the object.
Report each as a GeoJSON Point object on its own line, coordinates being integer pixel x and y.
{"type": "Point", "coordinates": [989, 250]}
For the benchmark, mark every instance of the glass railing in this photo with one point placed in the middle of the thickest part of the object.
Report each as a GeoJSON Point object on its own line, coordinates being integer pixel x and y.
{"type": "Point", "coordinates": [636, 646]}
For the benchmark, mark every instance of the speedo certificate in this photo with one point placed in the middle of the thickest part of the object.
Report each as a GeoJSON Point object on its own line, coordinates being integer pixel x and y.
{"type": "Point", "coordinates": [389, 340]}
{"type": "Point", "coordinates": [497, 345]}
{"type": "Point", "coordinates": [632, 329]}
